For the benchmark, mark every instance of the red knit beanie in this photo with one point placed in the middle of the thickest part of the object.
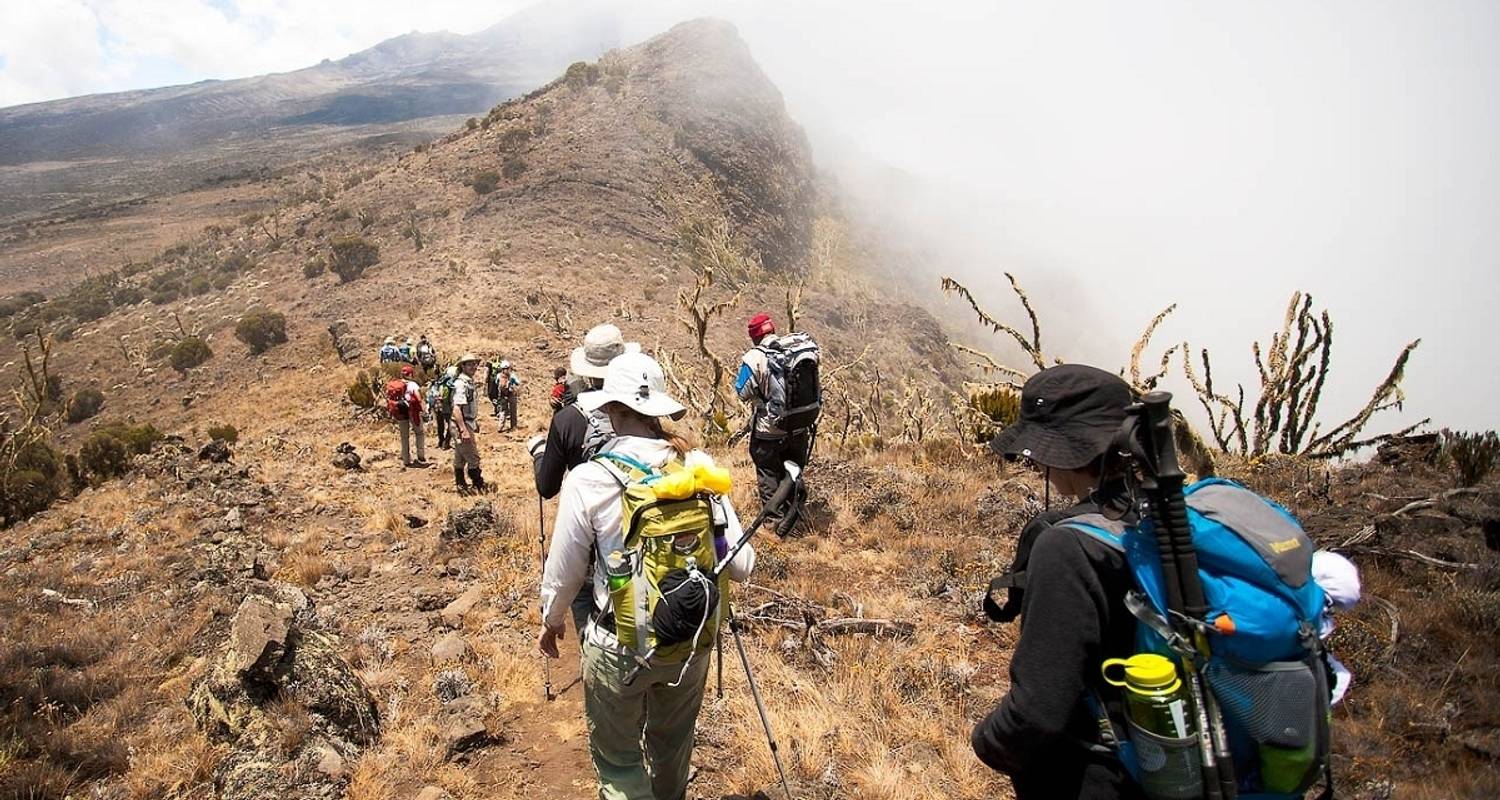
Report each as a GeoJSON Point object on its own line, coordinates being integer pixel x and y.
{"type": "Point", "coordinates": [761, 325]}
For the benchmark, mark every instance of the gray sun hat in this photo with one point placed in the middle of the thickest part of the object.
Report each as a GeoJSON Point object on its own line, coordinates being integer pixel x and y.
{"type": "Point", "coordinates": [635, 381]}
{"type": "Point", "coordinates": [600, 346]}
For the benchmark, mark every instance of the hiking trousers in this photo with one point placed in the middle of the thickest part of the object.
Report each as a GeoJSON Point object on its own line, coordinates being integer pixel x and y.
{"type": "Point", "coordinates": [508, 408]}
{"type": "Point", "coordinates": [770, 456]}
{"type": "Point", "coordinates": [443, 423]}
{"type": "Point", "coordinates": [406, 426]}
{"type": "Point", "coordinates": [466, 453]}
{"type": "Point", "coordinates": [641, 735]}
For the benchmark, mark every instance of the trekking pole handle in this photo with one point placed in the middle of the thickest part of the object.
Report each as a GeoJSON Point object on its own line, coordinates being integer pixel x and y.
{"type": "Point", "coordinates": [788, 484]}
{"type": "Point", "coordinates": [1170, 505]}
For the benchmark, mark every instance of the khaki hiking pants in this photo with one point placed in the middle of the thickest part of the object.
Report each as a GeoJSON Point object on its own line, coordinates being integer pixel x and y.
{"type": "Point", "coordinates": [641, 735]}
{"type": "Point", "coordinates": [465, 452]}
{"type": "Point", "coordinates": [406, 428]}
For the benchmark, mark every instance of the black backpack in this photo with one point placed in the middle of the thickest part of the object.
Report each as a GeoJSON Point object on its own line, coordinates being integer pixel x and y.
{"type": "Point", "coordinates": [794, 397]}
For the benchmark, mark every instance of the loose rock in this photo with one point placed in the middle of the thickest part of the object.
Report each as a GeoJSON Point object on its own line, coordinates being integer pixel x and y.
{"type": "Point", "coordinates": [453, 615]}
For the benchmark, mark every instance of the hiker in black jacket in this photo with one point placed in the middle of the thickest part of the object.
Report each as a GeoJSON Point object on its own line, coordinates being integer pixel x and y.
{"type": "Point", "coordinates": [1069, 590]}
{"type": "Point", "coordinates": [574, 435]}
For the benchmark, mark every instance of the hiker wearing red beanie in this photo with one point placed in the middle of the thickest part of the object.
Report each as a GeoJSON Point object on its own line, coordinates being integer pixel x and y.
{"type": "Point", "coordinates": [778, 377]}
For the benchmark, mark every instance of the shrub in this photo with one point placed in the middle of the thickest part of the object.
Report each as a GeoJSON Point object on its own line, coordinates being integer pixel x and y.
{"type": "Point", "coordinates": [581, 74]}
{"type": "Point", "coordinates": [351, 256]}
{"type": "Point", "coordinates": [199, 284]}
{"type": "Point", "coordinates": [484, 181]}
{"type": "Point", "coordinates": [166, 294]}
{"type": "Point", "coordinates": [361, 394]}
{"type": "Point", "coordinates": [261, 329]}
{"type": "Point", "coordinates": [107, 451]}
{"type": "Point", "coordinates": [995, 409]}
{"type": "Point", "coordinates": [314, 267]}
{"type": "Point", "coordinates": [235, 263]}
{"type": "Point", "coordinates": [471, 123]}
{"type": "Point", "coordinates": [33, 484]}
{"type": "Point", "coordinates": [84, 404]}
{"type": "Point", "coordinates": [189, 353]}
{"type": "Point", "coordinates": [514, 138]}
{"type": "Point", "coordinates": [1473, 455]}
{"type": "Point", "coordinates": [127, 296]}
{"type": "Point", "coordinates": [16, 303]}
{"type": "Point", "coordinates": [136, 438]}
{"type": "Point", "coordinates": [104, 456]}
{"type": "Point", "coordinates": [513, 167]}
{"type": "Point", "coordinates": [228, 434]}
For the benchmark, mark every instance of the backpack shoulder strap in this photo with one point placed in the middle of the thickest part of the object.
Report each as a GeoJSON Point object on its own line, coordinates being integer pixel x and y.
{"type": "Point", "coordinates": [1106, 530]}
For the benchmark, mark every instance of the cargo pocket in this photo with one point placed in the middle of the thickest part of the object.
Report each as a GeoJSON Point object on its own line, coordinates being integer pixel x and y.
{"type": "Point", "coordinates": [1281, 707]}
{"type": "Point", "coordinates": [1166, 768]}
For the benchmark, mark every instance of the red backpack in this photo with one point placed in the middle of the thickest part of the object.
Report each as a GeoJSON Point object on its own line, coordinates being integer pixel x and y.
{"type": "Point", "coordinates": [395, 398]}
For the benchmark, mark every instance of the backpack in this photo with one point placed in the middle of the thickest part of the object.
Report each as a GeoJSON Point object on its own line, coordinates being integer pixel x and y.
{"type": "Point", "coordinates": [426, 356]}
{"type": "Point", "coordinates": [395, 398]}
{"type": "Point", "coordinates": [600, 432]}
{"type": "Point", "coordinates": [1266, 664]}
{"type": "Point", "coordinates": [793, 398]}
{"type": "Point", "coordinates": [670, 524]}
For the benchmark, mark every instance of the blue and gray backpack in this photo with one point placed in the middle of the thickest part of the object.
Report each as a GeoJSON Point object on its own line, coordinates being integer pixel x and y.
{"type": "Point", "coordinates": [1265, 665]}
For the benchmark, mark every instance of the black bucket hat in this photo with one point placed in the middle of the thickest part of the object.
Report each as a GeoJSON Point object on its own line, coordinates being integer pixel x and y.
{"type": "Point", "coordinates": [1070, 415]}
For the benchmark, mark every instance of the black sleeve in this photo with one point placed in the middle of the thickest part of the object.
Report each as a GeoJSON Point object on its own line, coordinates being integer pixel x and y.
{"type": "Point", "coordinates": [565, 438]}
{"type": "Point", "coordinates": [1062, 624]}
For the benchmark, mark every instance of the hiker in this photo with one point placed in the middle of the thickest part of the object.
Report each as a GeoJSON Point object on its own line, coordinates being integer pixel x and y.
{"type": "Point", "coordinates": [560, 396]}
{"type": "Point", "coordinates": [389, 352]}
{"type": "Point", "coordinates": [640, 735]}
{"type": "Point", "coordinates": [1072, 607]}
{"type": "Point", "coordinates": [404, 403]}
{"type": "Point", "coordinates": [574, 435]}
{"type": "Point", "coordinates": [510, 386]}
{"type": "Point", "coordinates": [492, 383]}
{"type": "Point", "coordinates": [409, 352]}
{"type": "Point", "coordinates": [440, 401]}
{"type": "Point", "coordinates": [1339, 579]}
{"type": "Point", "coordinates": [426, 355]}
{"type": "Point", "coordinates": [466, 426]}
{"type": "Point", "coordinates": [1093, 596]}
{"type": "Point", "coordinates": [779, 378]}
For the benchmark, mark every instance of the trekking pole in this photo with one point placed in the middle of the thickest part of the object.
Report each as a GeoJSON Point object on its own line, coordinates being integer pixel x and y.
{"type": "Point", "coordinates": [760, 706]}
{"type": "Point", "coordinates": [788, 485]}
{"type": "Point", "coordinates": [541, 540]}
{"type": "Point", "coordinates": [719, 660]}
{"type": "Point", "coordinates": [1163, 481]}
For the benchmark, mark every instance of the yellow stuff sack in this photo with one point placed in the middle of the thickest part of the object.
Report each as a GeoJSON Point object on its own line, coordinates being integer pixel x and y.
{"type": "Point", "coordinates": [668, 525]}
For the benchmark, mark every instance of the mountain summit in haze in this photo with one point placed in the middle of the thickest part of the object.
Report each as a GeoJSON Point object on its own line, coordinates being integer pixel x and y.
{"type": "Point", "coordinates": [62, 156]}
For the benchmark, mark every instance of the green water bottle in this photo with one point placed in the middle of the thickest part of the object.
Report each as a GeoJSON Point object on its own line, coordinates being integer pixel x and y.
{"type": "Point", "coordinates": [1160, 714]}
{"type": "Point", "coordinates": [617, 569]}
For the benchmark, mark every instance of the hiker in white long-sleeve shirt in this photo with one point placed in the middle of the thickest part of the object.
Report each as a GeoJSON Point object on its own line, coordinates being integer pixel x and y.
{"type": "Point", "coordinates": [641, 734]}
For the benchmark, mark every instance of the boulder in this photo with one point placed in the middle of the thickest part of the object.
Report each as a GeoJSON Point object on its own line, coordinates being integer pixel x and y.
{"type": "Point", "coordinates": [462, 724]}
{"type": "Point", "coordinates": [215, 452]}
{"type": "Point", "coordinates": [344, 343]}
{"type": "Point", "coordinates": [470, 524]}
{"type": "Point", "coordinates": [453, 614]}
{"type": "Point", "coordinates": [258, 639]}
{"type": "Point", "coordinates": [451, 647]}
{"type": "Point", "coordinates": [345, 457]}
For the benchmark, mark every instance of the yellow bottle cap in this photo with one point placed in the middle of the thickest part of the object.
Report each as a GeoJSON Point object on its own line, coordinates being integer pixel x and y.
{"type": "Point", "coordinates": [1143, 670]}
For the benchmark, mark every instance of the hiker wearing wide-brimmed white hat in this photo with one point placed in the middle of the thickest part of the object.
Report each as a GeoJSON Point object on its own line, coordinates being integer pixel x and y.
{"type": "Point", "coordinates": [600, 346]}
{"type": "Point", "coordinates": [575, 435]}
{"type": "Point", "coordinates": [466, 425]}
{"type": "Point", "coordinates": [665, 698]}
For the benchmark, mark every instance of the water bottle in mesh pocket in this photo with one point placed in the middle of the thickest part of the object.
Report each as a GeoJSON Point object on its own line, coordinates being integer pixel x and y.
{"type": "Point", "coordinates": [1280, 707]}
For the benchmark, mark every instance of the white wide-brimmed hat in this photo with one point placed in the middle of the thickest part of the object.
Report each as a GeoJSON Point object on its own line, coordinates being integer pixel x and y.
{"type": "Point", "coordinates": [600, 346]}
{"type": "Point", "coordinates": [634, 380]}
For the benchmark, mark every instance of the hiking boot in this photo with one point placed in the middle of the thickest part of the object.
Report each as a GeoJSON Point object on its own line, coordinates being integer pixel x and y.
{"type": "Point", "coordinates": [458, 478]}
{"type": "Point", "coordinates": [477, 479]}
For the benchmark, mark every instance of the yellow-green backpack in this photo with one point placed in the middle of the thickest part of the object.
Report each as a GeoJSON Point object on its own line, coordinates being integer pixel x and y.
{"type": "Point", "coordinates": [668, 525]}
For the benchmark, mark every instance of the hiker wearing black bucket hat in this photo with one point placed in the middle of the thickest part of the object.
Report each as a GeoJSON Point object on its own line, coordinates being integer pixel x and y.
{"type": "Point", "coordinates": [1068, 589]}
{"type": "Point", "coordinates": [641, 716]}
